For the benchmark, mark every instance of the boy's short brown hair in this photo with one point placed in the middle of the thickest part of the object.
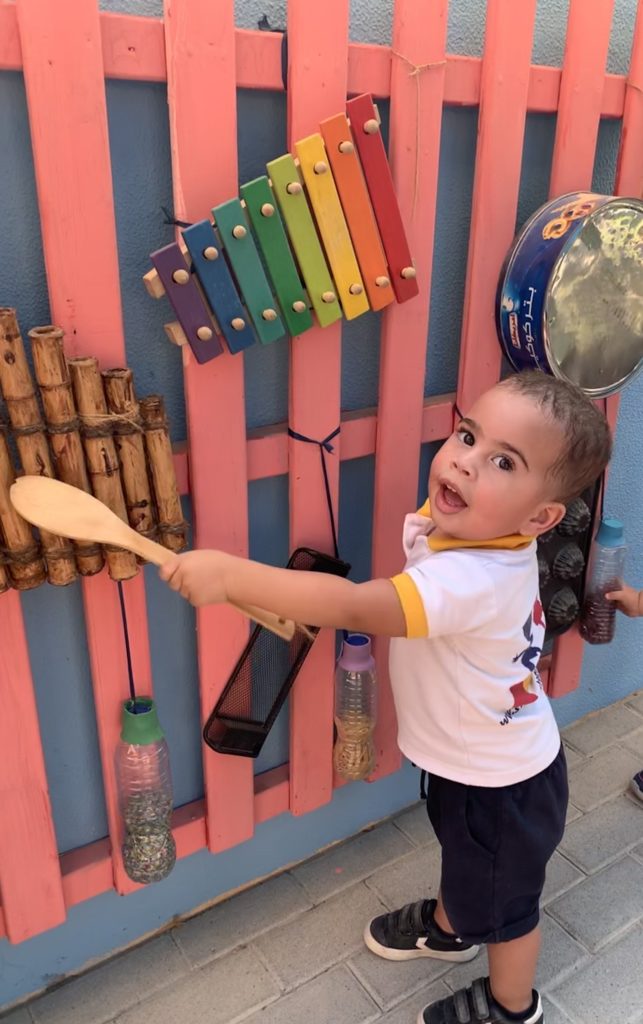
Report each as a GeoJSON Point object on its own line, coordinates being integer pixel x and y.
{"type": "Point", "coordinates": [587, 446]}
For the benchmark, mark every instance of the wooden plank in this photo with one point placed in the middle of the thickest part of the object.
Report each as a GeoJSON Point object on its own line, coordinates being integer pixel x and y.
{"type": "Point", "coordinates": [30, 879]}
{"type": "Point", "coordinates": [419, 38]}
{"type": "Point", "coordinates": [581, 94]}
{"type": "Point", "coordinates": [199, 37]}
{"type": "Point", "coordinates": [567, 657]}
{"type": "Point", "coordinates": [268, 446]}
{"type": "Point", "coordinates": [133, 49]}
{"type": "Point", "coordinates": [501, 129]}
{"type": "Point", "coordinates": [629, 170]}
{"type": "Point", "coordinates": [267, 449]}
{"type": "Point", "coordinates": [318, 53]}
{"type": "Point", "coordinates": [66, 97]}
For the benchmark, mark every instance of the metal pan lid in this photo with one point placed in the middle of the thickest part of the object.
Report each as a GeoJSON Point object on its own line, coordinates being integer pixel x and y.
{"type": "Point", "coordinates": [593, 315]}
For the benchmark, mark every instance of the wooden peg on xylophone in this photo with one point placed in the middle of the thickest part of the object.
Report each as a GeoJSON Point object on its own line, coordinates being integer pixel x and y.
{"type": "Point", "coordinates": [211, 252]}
{"type": "Point", "coordinates": [346, 147]}
{"type": "Point", "coordinates": [320, 167]}
{"type": "Point", "coordinates": [356, 289]}
{"type": "Point", "coordinates": [294, 188]}
{"type": "Point", "coordinates": [299, 306]}
{"type": "Point", "coordinates": [239, 231]}
{"type": "Point", "coordinates": [371, 127]}
{"type": "Point", "coordinates": [238, 323]}
{"type": "Point", "coordinates": [175, 333]}
{"type": "Point", "coordinates": [269, 314]}
{"type": "Point", "coordinates": [329, 297]}
{"type": "Point", "coordinates": [181, 276]}
{"type": "Point", "coordinates": [382, 282]}
{"type": "Point", "coordinates": [408, 273]}
{"type": "Point", "coordinates": [267, 210]}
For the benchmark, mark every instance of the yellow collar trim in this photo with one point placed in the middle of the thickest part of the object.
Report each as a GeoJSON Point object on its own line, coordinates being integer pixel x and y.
{"type": "Point", "coordinates": [513, 542]}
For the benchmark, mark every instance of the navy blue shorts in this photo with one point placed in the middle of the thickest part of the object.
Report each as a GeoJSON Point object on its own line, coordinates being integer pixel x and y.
{"type": "Point", "coordinates": [496, 843]}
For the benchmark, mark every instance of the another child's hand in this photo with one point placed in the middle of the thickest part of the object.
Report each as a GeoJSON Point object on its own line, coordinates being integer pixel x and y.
{"type": "Point", "coordinates": [198, 576]}
{"type": "Point", "coordinates": [628, 600]}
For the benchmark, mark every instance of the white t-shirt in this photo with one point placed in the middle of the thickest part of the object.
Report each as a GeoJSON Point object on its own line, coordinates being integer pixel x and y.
{"type": "Point", "coordinates": [469, 699]}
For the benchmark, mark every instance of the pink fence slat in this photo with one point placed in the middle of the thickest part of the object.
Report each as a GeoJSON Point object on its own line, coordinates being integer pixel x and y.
{"type": "Point", "coordinates": [588, 32]}
{"type": "Point", "coordinates": [501, 130]}
{"type": "Point", "coordinates": [63, 71]}
{"type": "Point", "coordinates": [417, 87]}
{"type": "Point", "coordinates": [199, 39]}
{"type": "Point", "coordinates": [581, 95]}
{"type": "Point", "coordinates": [30, 880]}
{"type": "Point", "coordinates": [629, 170]}
{"type": "Point", "coordinates": [568, 653]}
{"type": "Point", "coordinates": [317, 87]}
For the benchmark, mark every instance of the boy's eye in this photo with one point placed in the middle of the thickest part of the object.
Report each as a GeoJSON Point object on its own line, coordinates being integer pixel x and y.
{"type": "Point", "coordinates": [503, 462]}
{"type": "Point", "coordinates": [466, 437]}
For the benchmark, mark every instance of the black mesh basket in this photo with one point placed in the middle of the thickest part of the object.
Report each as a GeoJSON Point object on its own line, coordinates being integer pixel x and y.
{"type": "Point", "coordinates": [262, 678]}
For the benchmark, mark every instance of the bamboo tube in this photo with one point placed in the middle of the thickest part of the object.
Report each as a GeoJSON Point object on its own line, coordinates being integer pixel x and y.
{"type": "Point", "coordinates": [52, 375]}
{"type": "Point", "coordinates": [130, 445]}
{"type": "Point", "coordinates": [102, 461]}
{"type": "Point", "coordinates": [28, 429]}
{"type": "Point", "coordinates": [25, 566]}
{"type": "Point", "coordinates": [172, 526]}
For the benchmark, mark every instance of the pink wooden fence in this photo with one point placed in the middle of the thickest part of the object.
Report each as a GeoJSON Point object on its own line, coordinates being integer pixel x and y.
{"type": "Point", "coordinates": [65, 52]}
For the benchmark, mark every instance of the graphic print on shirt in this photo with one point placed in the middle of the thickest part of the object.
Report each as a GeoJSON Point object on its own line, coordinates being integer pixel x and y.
{"type": "Point", "coordinates": [528, 690]}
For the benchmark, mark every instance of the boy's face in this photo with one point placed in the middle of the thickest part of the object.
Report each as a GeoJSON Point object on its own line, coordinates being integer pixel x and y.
{"type": "Point", "coordinates": [490, 478]}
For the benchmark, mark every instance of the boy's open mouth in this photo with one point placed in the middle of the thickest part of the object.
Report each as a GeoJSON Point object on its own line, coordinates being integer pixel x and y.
{"type": "Point", "coordinates": [449, 500]}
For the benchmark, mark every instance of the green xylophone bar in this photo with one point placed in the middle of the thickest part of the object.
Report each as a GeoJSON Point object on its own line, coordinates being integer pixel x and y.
{"type": "Point", "coordinates": [240, 247]}
{"type": "Point", "coordinates": [288, 189]}
{"type": "Point", "coordinates": [273, 242]}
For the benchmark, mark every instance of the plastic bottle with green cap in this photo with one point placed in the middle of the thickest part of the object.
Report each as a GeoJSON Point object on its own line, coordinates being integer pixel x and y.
{"type": "Point", "coordinates": [145, 793]}
{"type": "Point", "coordinates": [605, 573]}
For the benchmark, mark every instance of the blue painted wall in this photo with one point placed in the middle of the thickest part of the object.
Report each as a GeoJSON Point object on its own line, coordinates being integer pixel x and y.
{"type": "Point", "coordinates": [141, 168]}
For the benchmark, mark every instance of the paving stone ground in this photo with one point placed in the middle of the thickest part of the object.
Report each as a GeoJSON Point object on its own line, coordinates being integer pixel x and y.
{"type": "Point", "coordinates": [290, 950]}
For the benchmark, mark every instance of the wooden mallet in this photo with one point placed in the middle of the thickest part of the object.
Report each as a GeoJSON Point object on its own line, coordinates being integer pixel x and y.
{"type": "Point", "coordinates": [69, 512]}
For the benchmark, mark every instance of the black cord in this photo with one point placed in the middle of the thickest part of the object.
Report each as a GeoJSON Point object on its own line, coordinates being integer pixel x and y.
{"type": "Point", "coordinates": [128, 652]}
{"type": "Point", "coordinates": [324, 447]}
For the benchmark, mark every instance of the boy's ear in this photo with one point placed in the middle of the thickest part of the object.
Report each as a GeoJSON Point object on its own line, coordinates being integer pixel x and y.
{"type": "Point", "coordinates": [546, 518]}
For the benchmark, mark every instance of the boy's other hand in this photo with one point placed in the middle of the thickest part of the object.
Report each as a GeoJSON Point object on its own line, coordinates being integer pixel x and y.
{"type": "Point", "coordinates": [198, 576]}
{"type": "Point", "coordinates": [627, 600]}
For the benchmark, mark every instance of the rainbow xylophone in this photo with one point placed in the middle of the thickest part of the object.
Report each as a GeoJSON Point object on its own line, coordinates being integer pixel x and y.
{"type": "Point", "coordinates": [320, 235]}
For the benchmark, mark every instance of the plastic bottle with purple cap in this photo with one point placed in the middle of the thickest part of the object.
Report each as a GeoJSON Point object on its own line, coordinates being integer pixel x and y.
{"type": "Point", "coordinates": [606, 573]}
{"type": "Point", "coordinates": [355, 708]}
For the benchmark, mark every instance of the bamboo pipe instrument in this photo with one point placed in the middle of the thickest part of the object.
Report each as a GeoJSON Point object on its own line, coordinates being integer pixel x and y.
{"type": "Point", "coordinates": [65, 510]}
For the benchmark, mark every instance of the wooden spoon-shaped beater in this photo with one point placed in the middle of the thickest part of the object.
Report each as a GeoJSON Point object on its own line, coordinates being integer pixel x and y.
{"type": "Point", "coordinates": [60, 508]}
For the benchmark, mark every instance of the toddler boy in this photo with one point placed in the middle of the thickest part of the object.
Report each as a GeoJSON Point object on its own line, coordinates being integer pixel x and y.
{"type": "Point", "coordinates": [467, 628]}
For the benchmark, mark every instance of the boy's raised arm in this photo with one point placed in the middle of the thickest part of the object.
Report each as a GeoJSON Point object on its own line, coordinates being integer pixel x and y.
{"type": "Point", "coordinates": [313, 598]}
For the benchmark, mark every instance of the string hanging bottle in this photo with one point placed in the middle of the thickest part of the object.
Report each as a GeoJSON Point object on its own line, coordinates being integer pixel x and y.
{"type": "Point", "coordinates": [145, 793]}
{"type": "Point", "coordinates": [355, 709]}
{"type": "Point", "coordinates": [605, 573]}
